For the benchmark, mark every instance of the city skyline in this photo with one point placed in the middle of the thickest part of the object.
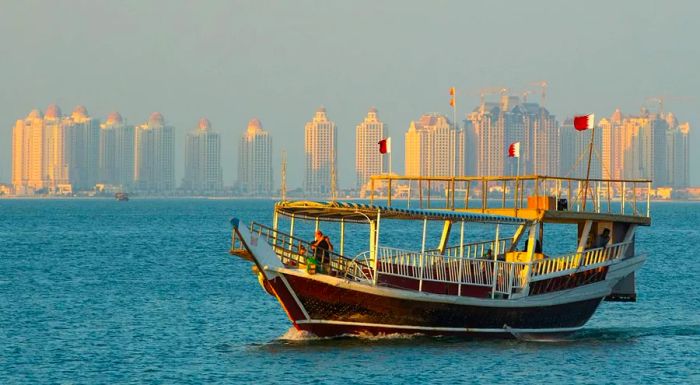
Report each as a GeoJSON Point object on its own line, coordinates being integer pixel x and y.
{"type": "Point", "coordinates": [249, 61]}
{"type": "Point", "coordinates": [77, 151]}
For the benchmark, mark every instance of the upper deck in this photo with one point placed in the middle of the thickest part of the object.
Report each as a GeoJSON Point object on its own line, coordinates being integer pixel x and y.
{"type": "Point", "coordinates": [529, 197]}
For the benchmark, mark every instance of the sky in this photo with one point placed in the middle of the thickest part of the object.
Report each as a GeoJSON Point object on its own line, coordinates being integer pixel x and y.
{"type": "Point", "coordinates": [231, 61]}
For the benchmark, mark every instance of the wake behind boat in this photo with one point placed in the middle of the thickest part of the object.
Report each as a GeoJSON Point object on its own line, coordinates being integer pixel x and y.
{"type": "Point", "coordinates": [506, 285]}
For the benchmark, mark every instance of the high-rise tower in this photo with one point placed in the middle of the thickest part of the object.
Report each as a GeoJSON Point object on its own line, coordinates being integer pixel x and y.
{"type": "Point", "coordinates": [56, 148]}
{"type": "Point", "coordinates": [203, 160]}
{"type": "Point", "coordinates": [434, 147]}
{"type": "Point", "coordinates": [255, 160]}
{"type": "Point", "coordinates": [492, 127]}
{"type": "Point", "coordinates": [368, 160]}
{"type": "Point", "coordinates": [320, 149]}
{"type": "Point", "coordinates": [82, 146]}
{"type": "Point", "coordinates": [28, 165]}
{"type": "Point", "coordinates": [40, 159]}
{"type": "Point", "coordinates": [116, 164]}
{"type": "Point", "coordinates": [680, 161]}
{"type": "Point", "coordinates": [154, 167]}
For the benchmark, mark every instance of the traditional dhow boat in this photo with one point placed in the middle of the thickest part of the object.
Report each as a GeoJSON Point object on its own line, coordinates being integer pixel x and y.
{"type": "Point", "coordinates": [506, 285]}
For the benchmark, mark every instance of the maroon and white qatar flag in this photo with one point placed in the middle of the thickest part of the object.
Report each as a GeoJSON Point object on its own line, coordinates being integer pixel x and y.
{"type": "Point", "coordinates": [385, 146]}
{"type": "Point", "coordinates": [584, 122]}
{"type": "Point", "coordinates": [514, 150]}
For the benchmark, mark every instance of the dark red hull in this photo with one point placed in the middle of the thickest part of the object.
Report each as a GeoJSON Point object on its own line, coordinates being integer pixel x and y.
{"type": "Point", "coordinates": [328, 310]}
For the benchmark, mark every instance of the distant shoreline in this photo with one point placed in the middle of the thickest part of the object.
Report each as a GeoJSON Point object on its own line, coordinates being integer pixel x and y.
{"type": "Point", "coordinates": [199, 197]}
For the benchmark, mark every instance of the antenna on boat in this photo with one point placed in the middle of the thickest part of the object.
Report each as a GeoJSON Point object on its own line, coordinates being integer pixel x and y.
{"type": "Point", "coordinates": [283, 180]}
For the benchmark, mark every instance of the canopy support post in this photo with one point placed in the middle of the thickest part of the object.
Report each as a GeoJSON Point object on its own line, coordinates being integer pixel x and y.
{"type": "Point", "coordinates": [291, 232]}
{"type": "Point", "coordinates": [495, 263]}
{"type": "Point", "coordinates": [530, 254]}
{"type": "Point", "coordinates": [342, 237]}
{"type": "Point", "coordinates": [422, 254]}
{"type": "Point", "coordinates": [461, 260]}
{"type": "Point", "coordinates": [373, 248]}
{"type": "Point", "coordinates": [420, 192]}
{"type": "Point", "coordinates": [376, 248]}
{"type": "Point", "coordinates": [446, 227]}
{"type": "Point", "coordinates": [516, 237]}
{"type": "Point", "coordinates": [275, 220]}
{"type": "Point", "coordinates": [388, 193]}
{"type": "Point", "coordinates": [409, 194]}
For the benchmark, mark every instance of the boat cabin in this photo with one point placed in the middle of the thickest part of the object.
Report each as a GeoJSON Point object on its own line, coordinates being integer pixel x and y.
{"type": "Point", "coordinates": [510, 261]}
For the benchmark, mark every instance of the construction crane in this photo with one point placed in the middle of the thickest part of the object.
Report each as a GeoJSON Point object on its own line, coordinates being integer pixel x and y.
{"type": "Point", "coordinates": [525, 94]}
{"type": "Point", "coordinates": [491, 91]}
{"type": "Point", "coordinates": [661, 100]}
{"type": "Point", "coordinates": [543, 90]}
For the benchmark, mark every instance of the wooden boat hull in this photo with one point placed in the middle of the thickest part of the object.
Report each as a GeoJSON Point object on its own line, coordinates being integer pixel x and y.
{"type": "Point", "coordinates": [326, 305]}
{"type": "Point", "coordinates": [328, 310]}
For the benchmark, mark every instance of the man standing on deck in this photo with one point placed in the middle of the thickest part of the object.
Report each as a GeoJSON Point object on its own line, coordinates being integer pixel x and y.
{"type": "Point", "coordinates": [603, 238]}
{"type": "Point", "coordinates": [322, 247]}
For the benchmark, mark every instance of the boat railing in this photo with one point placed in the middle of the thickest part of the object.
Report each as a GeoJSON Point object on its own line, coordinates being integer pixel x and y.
{"type": "Point", "coordinates": [295, 252]}
{"type": "Point", "coordinates": [476, 268]}
{"type": "Point", "coordinates": [481, 193]}
{"type": "Point", "coordinates": [476, 249]}
{"type": "Point", "coordinates": [499, 276]}
{"type": "Point", "coordinates": [577, 261]}
{"type": "Point", "coordinates": [502, 277]}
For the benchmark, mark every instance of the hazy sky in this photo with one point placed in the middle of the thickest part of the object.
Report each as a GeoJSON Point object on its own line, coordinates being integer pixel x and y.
{"type": "Point", "coordinates": [279, 61]}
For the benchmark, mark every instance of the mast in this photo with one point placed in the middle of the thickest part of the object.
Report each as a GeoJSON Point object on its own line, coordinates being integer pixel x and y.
{"type": "Point", "coordinates": [283, 183]}
{"type": "Point", "coordinates": [588, 168]}
{"type": "Point", "coordinates": [453, 145]}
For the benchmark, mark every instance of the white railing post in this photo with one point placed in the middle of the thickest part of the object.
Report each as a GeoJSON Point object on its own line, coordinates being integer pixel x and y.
{"type": "Point", "coordinates": [623, 196]}
{"type": "Point", "coordinates": [275, 219]}
{"type": "Point", "coordinates": [461, 260]}
{"type": "Point", "coordinates": [376, 249]}
{"type": "Point", "coordinates": [342, 236]}
{"type": "Point", "coordinates": [495, 263]}
{"type": "Point", "coordinates": [422, 255]}
{"type": "Point", "coordinates": [510, 278]}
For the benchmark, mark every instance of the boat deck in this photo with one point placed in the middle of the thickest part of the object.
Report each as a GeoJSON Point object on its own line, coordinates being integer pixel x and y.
{"type": "Point", "coordinates": [466, 270]}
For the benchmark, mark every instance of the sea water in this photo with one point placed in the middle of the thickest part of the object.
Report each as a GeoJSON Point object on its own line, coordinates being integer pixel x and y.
{"type": "Point", "coordinates": [99, 291]}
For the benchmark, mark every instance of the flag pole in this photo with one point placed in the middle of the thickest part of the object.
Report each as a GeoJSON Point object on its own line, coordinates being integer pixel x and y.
{"type": "Point", "coordinates": [390, 162]}
{"type": "Point", "coordinates": [588, 169]}
{"type": "Point", "coordinates": [381, 164]}
{"type": "Point", "coordinates": [454, 122]}
{"type": "Point", "coordinates": [517, 176]}
{"type": "Point", "coordinates": [454, 144]}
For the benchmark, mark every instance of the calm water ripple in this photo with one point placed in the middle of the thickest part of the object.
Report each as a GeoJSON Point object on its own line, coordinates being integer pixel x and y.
{"type": "Point", "coordinates": [99, 291]}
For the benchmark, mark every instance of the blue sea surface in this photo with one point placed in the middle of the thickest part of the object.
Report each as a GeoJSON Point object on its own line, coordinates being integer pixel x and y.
{"type": "Point", "coordinates": [99, 291]}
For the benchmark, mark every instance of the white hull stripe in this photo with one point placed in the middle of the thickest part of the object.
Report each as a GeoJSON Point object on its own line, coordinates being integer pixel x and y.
{"type": "Point", "coordinates": [505, 329]}
{"type": "Point", "coordinates": [296, 299]}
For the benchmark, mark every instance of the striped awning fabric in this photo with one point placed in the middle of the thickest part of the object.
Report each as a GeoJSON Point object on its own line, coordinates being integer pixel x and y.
{"type": "Point", "coordinates": [362, 212]}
